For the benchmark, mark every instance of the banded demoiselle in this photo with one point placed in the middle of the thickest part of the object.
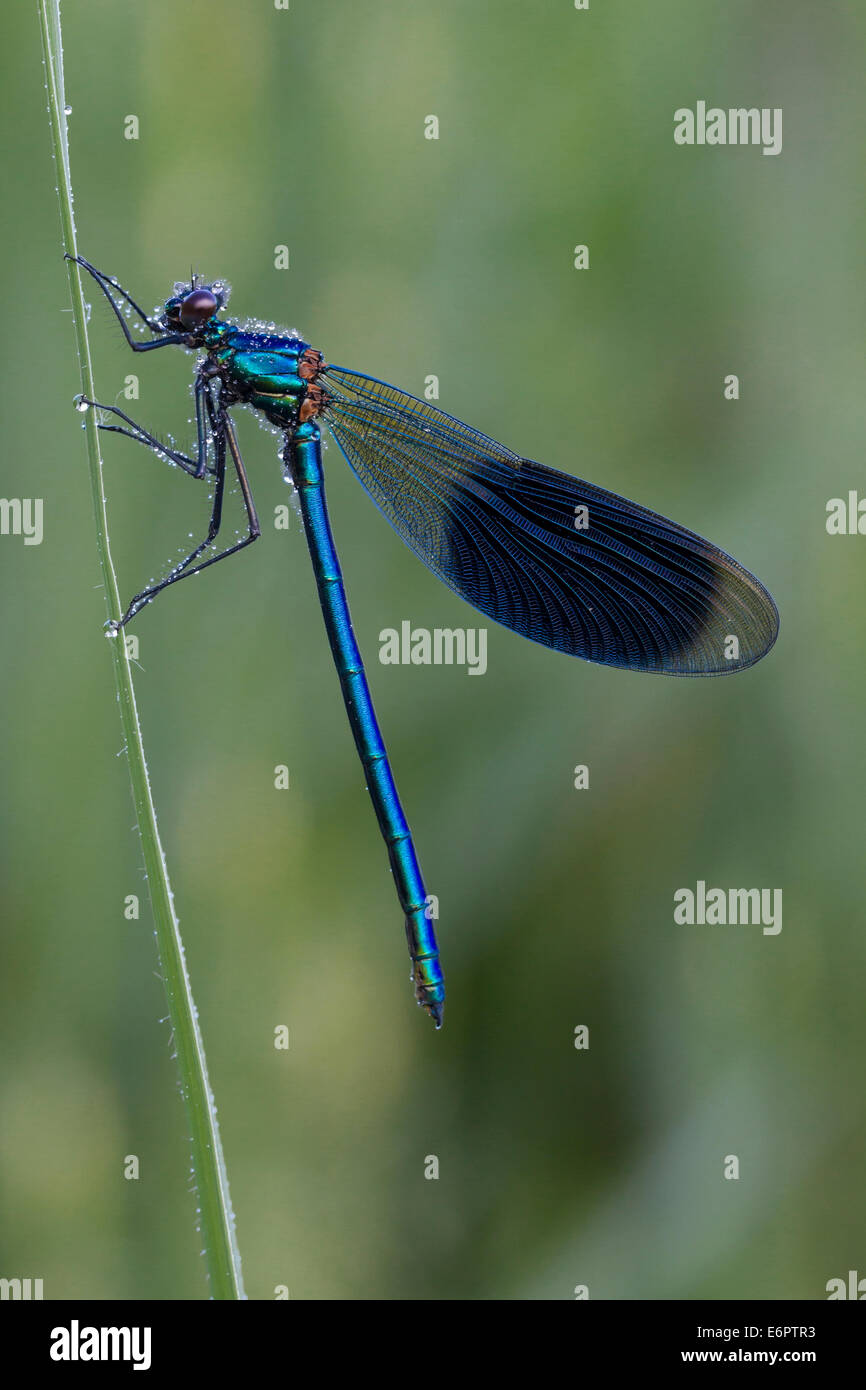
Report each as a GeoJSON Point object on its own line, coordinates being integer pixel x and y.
{"type": "Point", "coordinates": [558, 560]}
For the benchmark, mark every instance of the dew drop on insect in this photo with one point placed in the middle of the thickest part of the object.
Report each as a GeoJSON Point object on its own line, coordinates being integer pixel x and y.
{"type": "Point", "coordinates": [81, 405]}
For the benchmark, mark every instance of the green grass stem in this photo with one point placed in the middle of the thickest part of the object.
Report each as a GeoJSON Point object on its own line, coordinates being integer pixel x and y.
{"type": "Point", "coordinates": [209, 1170]}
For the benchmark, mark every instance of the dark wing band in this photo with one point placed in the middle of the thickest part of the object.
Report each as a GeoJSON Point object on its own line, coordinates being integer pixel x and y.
{"type": "Point", "coordinates": [556, 559]}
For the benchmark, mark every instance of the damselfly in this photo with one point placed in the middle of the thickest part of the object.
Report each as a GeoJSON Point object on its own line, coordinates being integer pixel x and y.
{"type": "Point", "coordinates": [561, 561]}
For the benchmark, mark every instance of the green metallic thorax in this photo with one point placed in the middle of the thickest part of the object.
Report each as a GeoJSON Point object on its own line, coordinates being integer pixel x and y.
{"type": "Point", "coordinates": [260, 369]}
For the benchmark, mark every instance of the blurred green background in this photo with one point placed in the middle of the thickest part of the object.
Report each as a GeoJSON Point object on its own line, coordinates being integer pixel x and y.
{"type": "Point", "coordinates": [558, 1167]}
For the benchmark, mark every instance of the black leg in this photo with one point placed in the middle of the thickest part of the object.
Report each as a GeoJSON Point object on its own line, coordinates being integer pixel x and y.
{"type": "Point", "coordinates": [109, 288]}
{"type": "Point", "coordinates": [222, 433]}
{"type": "Point", "coordinates": [196, 467]}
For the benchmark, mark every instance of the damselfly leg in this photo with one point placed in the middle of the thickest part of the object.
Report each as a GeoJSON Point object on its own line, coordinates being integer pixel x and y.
{"type": "Point", "coordinates": [109, 288]}
{"type": "Point", "coordinates": [140, 435]}
{"type": "Point", "coordinates": [196, 466]}
{"type": "Point", "coordinates": [222, 433]}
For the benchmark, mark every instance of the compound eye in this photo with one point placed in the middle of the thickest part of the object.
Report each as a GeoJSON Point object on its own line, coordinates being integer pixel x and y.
{"type": "Point", "coordinates": [197, 308]}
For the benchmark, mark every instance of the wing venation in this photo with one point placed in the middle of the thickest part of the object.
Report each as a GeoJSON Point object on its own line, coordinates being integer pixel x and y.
{"type": "Point", "coordinates": [559, 560]}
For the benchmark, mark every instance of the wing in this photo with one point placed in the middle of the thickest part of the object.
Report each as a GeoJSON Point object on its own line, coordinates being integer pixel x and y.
{"type": "Point", "coordinates": [556, 559]}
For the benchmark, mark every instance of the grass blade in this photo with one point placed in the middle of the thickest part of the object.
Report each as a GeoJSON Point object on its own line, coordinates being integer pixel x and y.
{"type": "Point", "coordinates": [215, 1212]}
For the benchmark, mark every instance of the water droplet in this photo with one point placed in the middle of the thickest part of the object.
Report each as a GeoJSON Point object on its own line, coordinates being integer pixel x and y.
{"type": "Point", "coordinates": [67, 110]}
{"type": "Point", "coordinates": [81, 405]}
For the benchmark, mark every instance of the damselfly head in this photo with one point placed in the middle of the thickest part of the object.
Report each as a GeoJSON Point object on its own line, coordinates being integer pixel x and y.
{"type": "Point", "coordinates": [192, 305]}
